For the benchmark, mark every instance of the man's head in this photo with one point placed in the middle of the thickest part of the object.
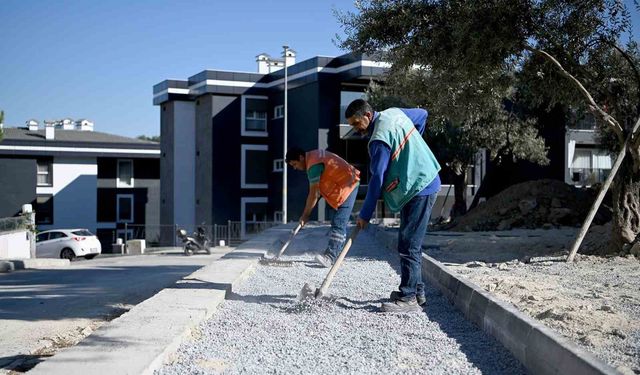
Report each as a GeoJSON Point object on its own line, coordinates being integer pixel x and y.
{"type": "Point", "coordinates": [359, 115]}
{"type": "Point", "coordinates": [296, 158]}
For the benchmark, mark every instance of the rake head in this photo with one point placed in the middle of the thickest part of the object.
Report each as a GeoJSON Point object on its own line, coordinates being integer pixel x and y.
{"type": "Point", "coordinates": [275, 262]}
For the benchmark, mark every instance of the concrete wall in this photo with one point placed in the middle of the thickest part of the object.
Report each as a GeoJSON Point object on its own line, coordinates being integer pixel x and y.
{"type": "Point", "coordinates": [177, 167]}
{"type": "Point", "coordinates": [15, 245]}
{"type": "Point", "coordinates": [74, 189]}
{"type": "Point", "coordinates": [184, 143]}
{"type": "Point", "coordinates": [225, 158]}
{"type": "Point", "coordinates": [203, 158]}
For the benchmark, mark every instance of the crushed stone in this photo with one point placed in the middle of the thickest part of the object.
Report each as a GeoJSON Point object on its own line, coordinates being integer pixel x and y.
{"type": "Point", "coordinates": [263, 329]}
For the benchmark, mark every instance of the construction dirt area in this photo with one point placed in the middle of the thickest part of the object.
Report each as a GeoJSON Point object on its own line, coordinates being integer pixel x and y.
{"type": "Point", "coordinates": [263, 328]}
{"type": "Point", "coordinates": [595, 301]}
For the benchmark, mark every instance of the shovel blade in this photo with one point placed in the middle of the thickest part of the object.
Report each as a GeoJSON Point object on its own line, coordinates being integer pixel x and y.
{"type": "Point", "coordinates": [307, 292]}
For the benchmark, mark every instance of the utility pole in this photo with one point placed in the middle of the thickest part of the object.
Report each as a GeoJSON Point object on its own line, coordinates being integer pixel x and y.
{"type": "Point", "coordinates": [284, 146]}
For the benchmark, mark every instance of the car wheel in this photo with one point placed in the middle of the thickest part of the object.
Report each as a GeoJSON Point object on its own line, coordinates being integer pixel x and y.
{"type": "Point", "coordinates": [67, 253]}
{"type": "Point", "coordinates": [90, 256]}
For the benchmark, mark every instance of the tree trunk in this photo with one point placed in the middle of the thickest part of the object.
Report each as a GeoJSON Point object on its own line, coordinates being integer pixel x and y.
{"type": "Point", "coordinates": [459, 190]}
{"type": "Point", "coordinates": [626, 206]}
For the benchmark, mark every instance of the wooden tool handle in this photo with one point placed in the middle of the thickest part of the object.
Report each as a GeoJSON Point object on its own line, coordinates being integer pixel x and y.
{"type": "Point", "coordinates": [284, 247]}
{"type": "Point", "coordinates": [327, 281]}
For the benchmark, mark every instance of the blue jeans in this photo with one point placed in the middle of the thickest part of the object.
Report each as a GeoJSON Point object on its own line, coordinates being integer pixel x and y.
{"type": "Point", "coordinates": [338, 232]}
{"type": "Point", "coordinates": [414, 219]}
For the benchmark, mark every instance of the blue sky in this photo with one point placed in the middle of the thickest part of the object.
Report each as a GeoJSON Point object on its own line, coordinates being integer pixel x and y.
{"type": "Point", "coordinates": [100, 59]}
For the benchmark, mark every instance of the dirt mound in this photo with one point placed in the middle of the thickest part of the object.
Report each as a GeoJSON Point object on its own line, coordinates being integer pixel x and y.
{"type": "Point", "coordinates": [533, 204]}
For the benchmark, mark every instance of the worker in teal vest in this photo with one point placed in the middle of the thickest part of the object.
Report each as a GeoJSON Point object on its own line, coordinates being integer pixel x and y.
{"type": "Point", "coordinates": [405, 172]}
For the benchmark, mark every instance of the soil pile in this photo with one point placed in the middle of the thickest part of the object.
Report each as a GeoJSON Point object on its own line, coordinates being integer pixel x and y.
{"type": "Point", "coordinates": [533, 204]}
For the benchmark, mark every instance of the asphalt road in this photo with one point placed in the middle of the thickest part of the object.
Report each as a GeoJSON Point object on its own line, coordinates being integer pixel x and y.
{"type": "Point", "coordinates": [41, 309]}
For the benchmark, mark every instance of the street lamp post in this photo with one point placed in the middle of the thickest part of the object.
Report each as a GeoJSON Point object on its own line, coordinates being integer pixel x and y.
{"type": "Point", "coordinates": [284, 147]}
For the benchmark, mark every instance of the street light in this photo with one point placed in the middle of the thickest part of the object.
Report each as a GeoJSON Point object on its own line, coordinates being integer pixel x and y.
{"type": "Point", "coordinates": [284, 147]}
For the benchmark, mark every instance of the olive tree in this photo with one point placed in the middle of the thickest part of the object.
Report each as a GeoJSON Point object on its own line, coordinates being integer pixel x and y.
{"type": "Point", "coordinates": [552, 51]}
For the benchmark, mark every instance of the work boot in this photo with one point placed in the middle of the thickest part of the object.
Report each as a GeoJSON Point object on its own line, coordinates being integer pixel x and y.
{"type": "Point", "coordinates": [323, 260]}
{"type": "Point", "coordinates": [395, 295]}
{"type": "Point", "coordinates": [400, 306]}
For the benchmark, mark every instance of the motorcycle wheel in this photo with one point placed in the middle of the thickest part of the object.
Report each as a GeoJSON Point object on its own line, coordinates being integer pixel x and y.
{"type": "Point", "coordinates": [188, 251]}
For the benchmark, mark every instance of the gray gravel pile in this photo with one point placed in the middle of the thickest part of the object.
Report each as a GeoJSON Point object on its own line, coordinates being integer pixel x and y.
{"type": "Point", "coordinates": [262, 328]}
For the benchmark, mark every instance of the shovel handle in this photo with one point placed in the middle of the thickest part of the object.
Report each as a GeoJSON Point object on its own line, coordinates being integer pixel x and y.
{"type": "Point", "coordinates": [284, 247]}
{"type": "Point", "coordinates": [327, 281]}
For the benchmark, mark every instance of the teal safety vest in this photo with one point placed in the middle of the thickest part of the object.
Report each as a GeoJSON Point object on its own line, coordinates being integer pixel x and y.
{"type": "Point", "coordinates": [412, 166]}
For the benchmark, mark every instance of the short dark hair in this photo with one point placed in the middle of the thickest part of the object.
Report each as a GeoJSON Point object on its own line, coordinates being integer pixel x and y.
{"type": "Point", "coordinates": [294, 153]}
{"type": "Point", "coordinates": [357, 107]}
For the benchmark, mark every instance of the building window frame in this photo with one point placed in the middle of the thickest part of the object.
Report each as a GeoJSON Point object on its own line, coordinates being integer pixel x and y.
{"type": "Point", "coordinates": [278, 111]}
{"type": "Point", "coordinates": [131, 218]}
{"type": "Point", "coordinates": [243, 165]}
{"type": "Point", "coordinates": [119, 182]}
{"type": "Point", "coordinates": [48, 172]}
{"type": "Point", "coordinates": [243, 116]}
{"type": "Point", "coordinates": [278, 165]}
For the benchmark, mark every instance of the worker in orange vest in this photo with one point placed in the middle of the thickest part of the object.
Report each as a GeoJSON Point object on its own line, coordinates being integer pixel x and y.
{"type": "Point", "coordinates": [337, 182]}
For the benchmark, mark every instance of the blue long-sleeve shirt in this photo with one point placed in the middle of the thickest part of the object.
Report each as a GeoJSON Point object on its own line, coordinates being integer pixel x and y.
{"type": "Point", "coordinates": [381, 154]}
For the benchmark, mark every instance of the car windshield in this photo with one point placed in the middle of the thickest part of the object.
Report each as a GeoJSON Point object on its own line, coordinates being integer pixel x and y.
{"type": "Point", "coordinates": [82, 232]}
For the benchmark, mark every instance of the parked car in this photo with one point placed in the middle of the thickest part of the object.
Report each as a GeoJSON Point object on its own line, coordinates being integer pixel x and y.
{"type": "Point", "coordinates": [67, 244]}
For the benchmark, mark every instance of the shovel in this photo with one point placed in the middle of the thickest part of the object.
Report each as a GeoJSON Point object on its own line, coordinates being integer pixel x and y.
{"type": "Point", "coordinates": [309, 291]}
{"type": "Point", "coordinates": [275, 261]}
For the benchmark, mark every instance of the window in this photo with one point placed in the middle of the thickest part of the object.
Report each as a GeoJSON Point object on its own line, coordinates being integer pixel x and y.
{"type": "Point", "coordinates": [254, 166]}
{"type": "Point", "coordinates": [45, 173]}
{"type": "Point", "coordinates": [278, 111]}
{"type": "Point", "coordinates": [44, 209]}
{"type": "Point", "coordinates": [254, 115]}
{"type": "Point", "coordinates": [346, 97]}
{"type": "Point", "coordinates": [42, 237]}
{"type": "Point", "coordinates": [125, 208]}
{"type": "Point", "coordinates": [345, 131]}
{"type": "Point", "coordinates": [56, 235]}
{"type": "Point", "coordinates": [278, 165]}
{"type": "Point", "coordinates": [256, 121]}
{"type": "Point", "coordinates": [125, 174]}
{"type": "Point", "coordinates": [277, 216]}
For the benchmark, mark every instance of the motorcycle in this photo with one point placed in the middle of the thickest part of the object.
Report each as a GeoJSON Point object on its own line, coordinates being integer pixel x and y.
{"type": "Point", "coordinates": [197, 242]}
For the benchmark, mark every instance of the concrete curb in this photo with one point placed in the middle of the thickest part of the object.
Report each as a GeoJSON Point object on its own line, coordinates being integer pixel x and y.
{"type": "Point", "coordinates": [541, 350]}
{"type": "Point", "coordinates": [141, 340]}
{"type": "Point", "coordinates": [8, 265]}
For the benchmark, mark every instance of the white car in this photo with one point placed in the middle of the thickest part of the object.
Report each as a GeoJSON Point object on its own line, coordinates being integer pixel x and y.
{"type": "Point", "coordinates": [67, 244]}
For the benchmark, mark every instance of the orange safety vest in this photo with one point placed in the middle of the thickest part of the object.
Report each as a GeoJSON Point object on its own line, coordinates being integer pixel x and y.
{"type": "Point", "coordinates": [338, 179]}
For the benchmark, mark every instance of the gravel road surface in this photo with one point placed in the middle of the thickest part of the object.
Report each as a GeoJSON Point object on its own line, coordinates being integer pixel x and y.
{"type": "Point", "coordinates": [261, 328]}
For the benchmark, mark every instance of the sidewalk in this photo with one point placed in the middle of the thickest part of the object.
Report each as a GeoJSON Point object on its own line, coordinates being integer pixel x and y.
{"type": "Point", "coordinates": [44, 310]}
{"type": "Point", "coordinates": [138, 341]}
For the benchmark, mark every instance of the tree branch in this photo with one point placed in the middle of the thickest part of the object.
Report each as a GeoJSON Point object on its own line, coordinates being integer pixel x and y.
{"type": "Point", "coordinates": [593, 106]}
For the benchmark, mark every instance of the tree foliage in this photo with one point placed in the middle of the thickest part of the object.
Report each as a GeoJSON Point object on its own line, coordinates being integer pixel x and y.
{"type": "Point", "coordinates": [469, 56]}
{"type": "Point", "coordinates": [476, 52]}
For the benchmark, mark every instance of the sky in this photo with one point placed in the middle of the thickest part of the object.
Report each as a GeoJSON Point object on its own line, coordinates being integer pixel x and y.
{"type": "Point", "coordinates": [100, 59]}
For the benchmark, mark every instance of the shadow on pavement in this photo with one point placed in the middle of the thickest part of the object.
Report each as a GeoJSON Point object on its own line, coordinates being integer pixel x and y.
{"type": "Point", "coordinates": [58, 294]}
{"type": "Point", "coordinates": [22, 362]}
